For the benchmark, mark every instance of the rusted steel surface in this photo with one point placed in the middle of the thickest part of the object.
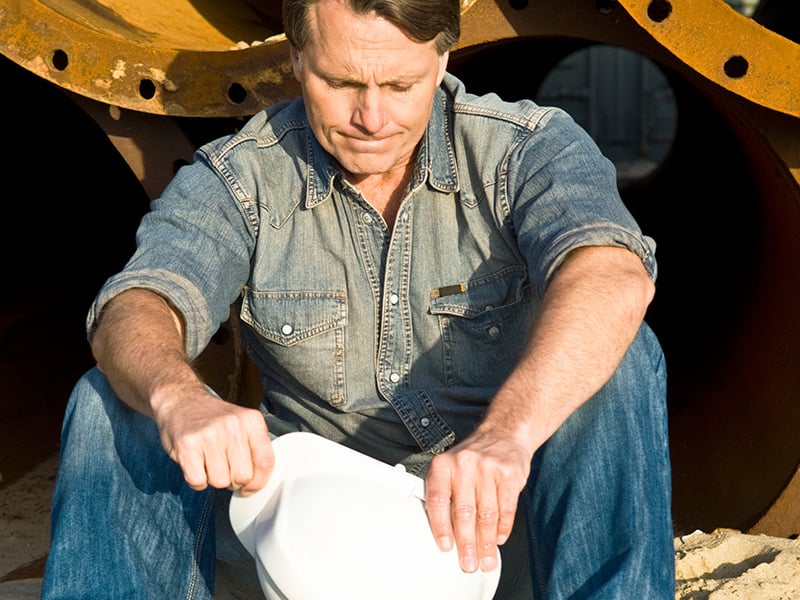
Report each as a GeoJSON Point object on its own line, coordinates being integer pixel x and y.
{"type": "Point", "coordinates": [186, 58]}
{"type": "Point", "coordinates": [783, 515]}
{"type": "Point", "coordinates": [726, 48]}
{"type": "Point", "coordinates": [143, 70]}
{"type": "Point", "coordinates": [173, 57]}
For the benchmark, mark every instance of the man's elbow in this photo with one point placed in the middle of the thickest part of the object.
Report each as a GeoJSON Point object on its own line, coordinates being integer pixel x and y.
{"type": "Point", "coordinates": [642, 290]}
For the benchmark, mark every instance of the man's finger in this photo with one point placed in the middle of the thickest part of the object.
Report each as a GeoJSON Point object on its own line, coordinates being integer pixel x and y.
{"type": "Point", "coordinates": [194, 470]}
{"type": "Point", "coordinates": [464, 514]}
{"type": "Point", "coordinates": [437, 503]}
{"type": "Point", "coordinates": [262, 456]}
{"type": "Point", "coordinates": [239, 462]}
{"type": "Point", "coordinates": [486, 519]}
{"type": "Point", "coordinates": [507, 500]}
{"type": "Point", "coordinates": [218, 470]}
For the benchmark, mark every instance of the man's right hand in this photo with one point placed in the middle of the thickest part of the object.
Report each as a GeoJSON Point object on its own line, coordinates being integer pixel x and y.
{"type": "Point", "coordinates": [139, 345]}
{"type": "Point", "coordinates": [216, 443]}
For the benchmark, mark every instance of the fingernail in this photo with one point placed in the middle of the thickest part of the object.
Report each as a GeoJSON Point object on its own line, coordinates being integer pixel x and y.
{"type": "Point", "coordinates": [488, 563]}
{"type": "Point", "coordinates": [469, 564]}
{"type": "Point", "coordinates": [445, 543]}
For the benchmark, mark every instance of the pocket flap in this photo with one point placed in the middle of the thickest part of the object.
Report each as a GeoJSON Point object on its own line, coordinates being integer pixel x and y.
{"type": "Point", "coordinates": [289, 317]}
{"type": "Point", "coordinates": [479, 296]}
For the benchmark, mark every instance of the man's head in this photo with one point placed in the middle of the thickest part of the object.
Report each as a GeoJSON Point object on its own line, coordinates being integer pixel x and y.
{"type": "Point", "coordinates": [369, 70]}
{"type": "Point", "coordinates": [423, 20]}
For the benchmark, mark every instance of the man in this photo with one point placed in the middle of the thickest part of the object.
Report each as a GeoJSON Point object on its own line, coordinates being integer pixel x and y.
{"type": "Point", "coordinates": [432, 278]}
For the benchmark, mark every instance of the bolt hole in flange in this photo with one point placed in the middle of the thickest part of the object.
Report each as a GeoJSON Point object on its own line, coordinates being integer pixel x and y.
{"type": "Point", "coordinates": [147, 89]}
{"type": "Point", "coordinates": [60, 60]}
{"type": "Point", "coordinates": [659, 10]}
{"type": "Point", "coordinates": [736, 67]}
{"type": "Point", "coordinates": [237, 93]}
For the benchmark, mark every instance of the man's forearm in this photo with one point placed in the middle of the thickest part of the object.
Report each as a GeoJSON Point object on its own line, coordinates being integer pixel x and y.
{"type": "Point", "coordinates": [590, 314]}
{"type": "Point", "coordinates": [139, 345]}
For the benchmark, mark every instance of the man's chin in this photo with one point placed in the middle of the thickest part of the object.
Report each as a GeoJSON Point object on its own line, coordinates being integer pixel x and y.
{"type": "Point", "coordinates": [366, 166]}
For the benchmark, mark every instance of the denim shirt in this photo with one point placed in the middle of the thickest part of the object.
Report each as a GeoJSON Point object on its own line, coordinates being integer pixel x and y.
{"type": "Point", "coordinates": [392, 342]}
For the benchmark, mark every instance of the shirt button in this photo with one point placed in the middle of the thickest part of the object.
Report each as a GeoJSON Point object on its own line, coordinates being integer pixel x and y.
{"type": "Point", "coordinates": [424, 421]}
{"type": "Point", "coordinates": [394, 298]}
{"type": "Point", "coordinates": [494, 331]}
{"type": "Point", "coordinates": [394, 377]}
{"type": "Point", "coordinates": [287, 329]}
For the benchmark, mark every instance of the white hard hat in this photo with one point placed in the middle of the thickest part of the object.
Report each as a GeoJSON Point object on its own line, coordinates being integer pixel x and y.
{"type": "Point", "coordinates": [335, 524]}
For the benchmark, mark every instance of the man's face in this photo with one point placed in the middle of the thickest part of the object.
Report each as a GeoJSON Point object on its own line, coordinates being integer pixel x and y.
{"type": "Point", "coordinates": [367, 86]}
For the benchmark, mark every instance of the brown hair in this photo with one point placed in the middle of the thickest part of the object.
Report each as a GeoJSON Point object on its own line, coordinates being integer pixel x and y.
{"type": "Point", "coordinates": [423, 20]}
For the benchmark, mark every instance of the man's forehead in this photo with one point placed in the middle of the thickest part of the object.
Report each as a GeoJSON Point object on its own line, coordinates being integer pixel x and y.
{"type": "Point", "coordinates": [343, 44]}
{"type": "Point", "coordinates": [325, 18]}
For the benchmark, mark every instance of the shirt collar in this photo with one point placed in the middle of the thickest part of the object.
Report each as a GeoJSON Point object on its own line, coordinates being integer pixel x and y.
{"type": "Point", "coordinates": [435, 160]}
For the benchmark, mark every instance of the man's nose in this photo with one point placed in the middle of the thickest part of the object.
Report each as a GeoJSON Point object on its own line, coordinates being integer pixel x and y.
{"type": "Point", "coordinates": [370, 111]}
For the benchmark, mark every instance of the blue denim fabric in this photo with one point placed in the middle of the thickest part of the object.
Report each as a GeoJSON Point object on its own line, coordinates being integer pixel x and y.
{"type": "Point", "coordinates": [124, 523]}
{"type": "Point", "coordinates": [598, 499]}
{"type": "Point", "coordinates": [594, 518]}
{"type": "Point", "coordinates": [391, 342]}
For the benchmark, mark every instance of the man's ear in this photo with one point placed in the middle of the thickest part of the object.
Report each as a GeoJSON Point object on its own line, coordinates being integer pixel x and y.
{"type": "Point", "coordinates": [442, 66]}
{"type": "Point", "coordinates": [294, 56]}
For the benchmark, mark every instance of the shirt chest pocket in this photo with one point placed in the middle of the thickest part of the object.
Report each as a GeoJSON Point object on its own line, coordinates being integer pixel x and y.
{"type": "Point", "coordinates": [484, 325]}
{"type": "Point", "coordinates": [303, 336]}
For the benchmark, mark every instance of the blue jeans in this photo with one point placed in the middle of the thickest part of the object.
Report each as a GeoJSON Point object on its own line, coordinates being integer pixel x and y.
{"type": "Point", "coordinates": [125, 524]}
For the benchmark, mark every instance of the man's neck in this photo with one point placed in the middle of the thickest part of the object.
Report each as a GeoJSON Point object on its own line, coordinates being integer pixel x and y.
{"type": "Point", "coordinates": [384, 191]}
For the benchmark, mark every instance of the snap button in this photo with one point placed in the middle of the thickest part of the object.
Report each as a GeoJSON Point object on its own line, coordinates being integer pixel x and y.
{"type": "Point", "coordinates": [287, 329]}
{"type": "Point", "coordinates": [394, 298]}
{"type": "Point", "coordinates": [494, 331]}
{"type": "Point", "coordinates": [394, 377]}
{"type": "Point", "coordinates": [424, 421]}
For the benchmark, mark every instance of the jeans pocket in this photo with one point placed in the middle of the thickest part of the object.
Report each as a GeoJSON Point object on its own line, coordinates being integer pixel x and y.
{"type": "Point", "coordinates": [302, 335]}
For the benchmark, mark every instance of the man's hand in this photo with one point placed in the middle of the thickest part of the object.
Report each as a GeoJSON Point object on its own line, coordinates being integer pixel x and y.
{"type": "Point", "coordinates": [471, 496]}
{"type": "Point", "coordinates": [139, 345]}
{"type": "Point", "coordinates": [216, 443]}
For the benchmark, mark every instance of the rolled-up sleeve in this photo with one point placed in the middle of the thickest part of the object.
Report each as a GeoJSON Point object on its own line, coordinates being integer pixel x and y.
{"type": "Point", "coordinates": [563, 195]}
{"type": "Point", "coordinates": [193, 248]}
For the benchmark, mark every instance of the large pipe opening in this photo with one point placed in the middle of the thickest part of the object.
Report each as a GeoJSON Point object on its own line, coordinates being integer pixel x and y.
{"type": "Point", "coordinates": [725, 215]}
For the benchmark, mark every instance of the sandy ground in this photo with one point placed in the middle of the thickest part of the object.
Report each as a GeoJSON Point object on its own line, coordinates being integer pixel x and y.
{"type": "Point", "coordinates": [721, 565]}
{"type": "Point", "coordinates": [729, 565]}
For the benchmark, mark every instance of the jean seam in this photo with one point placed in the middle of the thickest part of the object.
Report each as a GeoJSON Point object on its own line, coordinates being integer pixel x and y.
{"type": "Point", "coordinates": [202, 531]}
{"type": "Point", "coordinates": [535, 565]}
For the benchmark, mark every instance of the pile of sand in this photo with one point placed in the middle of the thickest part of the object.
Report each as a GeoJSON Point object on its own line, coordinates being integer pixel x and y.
{"type": "Point", "coordinates": [730, 565]}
